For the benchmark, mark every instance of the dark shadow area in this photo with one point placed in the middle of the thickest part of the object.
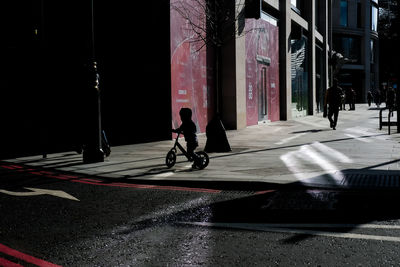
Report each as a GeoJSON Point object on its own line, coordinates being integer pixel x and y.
{"type": "Point", "coordinates": [365, 199]}
{"type": "Point", "coordinates": [311, 131]}
{"type": "Point", "coordinates": [44, 99]}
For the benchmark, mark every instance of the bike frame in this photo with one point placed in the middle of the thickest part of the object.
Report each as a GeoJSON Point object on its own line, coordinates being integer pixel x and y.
{"type": "Point", "coordinates": [181, 148]}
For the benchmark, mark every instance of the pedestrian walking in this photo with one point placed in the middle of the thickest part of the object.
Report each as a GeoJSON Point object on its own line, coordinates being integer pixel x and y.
{"type": "Point", "coordinates": [369, 98]}
{"type": "Point", "coordinates": [344, 100]}
{"type": "Point", "coordinates": [333, 100]}
{"type": "Point", "coordinates": [390, 98]}
{"type": "Point", "coordinates": [377, 98]}
{"type": "Point", "coordinates": [352, 99]}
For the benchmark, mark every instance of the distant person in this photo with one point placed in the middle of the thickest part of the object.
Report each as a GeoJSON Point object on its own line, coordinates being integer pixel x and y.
{"type": "Point", "coordinates": [344, 100]}
{"type": "Point", "coordinates": [188, 128]}
{"type": "Point", "coordinates": [377, 98]}
{"type": "Point", "coordinates": [369, 98]}
{"type": "Point", "coordinates": [352, 100]}
{"type": "Point", "coordinates": [333, 98]}
{"type": "Point", "coordinates": [390, 98]}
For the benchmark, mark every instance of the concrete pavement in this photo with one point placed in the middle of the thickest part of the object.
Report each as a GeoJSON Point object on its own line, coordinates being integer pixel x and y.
{"type": "Point", "coordinates": [302, 151]}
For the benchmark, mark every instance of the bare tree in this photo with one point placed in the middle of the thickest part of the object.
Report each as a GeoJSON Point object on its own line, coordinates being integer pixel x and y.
{"type": "Point", "coordinates": [213, 24]}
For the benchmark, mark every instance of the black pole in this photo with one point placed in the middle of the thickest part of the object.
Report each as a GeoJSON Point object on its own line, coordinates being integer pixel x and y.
{"type": "Point", "coordinates": [92, 149]}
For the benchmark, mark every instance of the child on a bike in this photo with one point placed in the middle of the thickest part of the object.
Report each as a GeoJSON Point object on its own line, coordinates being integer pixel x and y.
{"type": "Point", "coordinates": [188, 128]}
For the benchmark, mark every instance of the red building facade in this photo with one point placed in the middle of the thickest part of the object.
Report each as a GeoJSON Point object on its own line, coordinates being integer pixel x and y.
{"type": "Point", "coordinates": [262, 71]}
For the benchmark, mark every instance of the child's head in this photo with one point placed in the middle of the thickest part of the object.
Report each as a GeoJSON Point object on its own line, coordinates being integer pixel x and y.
{"type": "Point", "coordinates": [186, 114]}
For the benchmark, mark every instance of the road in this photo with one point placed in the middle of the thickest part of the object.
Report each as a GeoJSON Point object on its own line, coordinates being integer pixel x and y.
{"type": "Point", "coordinates": [54, 217]}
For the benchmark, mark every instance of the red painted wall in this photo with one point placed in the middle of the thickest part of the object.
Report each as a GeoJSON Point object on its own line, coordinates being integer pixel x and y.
{"type": "Point", "coordinates": [191, 74]}
{"type": "Point", "coordinates": [262, 39]}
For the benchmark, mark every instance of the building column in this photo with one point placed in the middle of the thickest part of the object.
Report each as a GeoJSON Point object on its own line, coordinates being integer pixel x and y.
{"type": "Point", "coordinates": [326, 31]}
{"type": "Point", "coordinates": [285, 78]}
{"type": "Point", "coordinates": [312, 59]}
{"type": "Point", "coordinates": [233, 87]}
{"type": "Point", "coordinates": [366, 58]}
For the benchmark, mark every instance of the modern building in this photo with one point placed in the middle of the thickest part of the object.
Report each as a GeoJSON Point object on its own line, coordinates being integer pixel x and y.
{"type": "Point", "coordinates": [274, 67]}
{"type": "Point", "coordinates": [355, 36]}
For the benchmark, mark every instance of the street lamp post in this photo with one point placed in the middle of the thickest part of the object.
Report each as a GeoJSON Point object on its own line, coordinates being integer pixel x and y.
{"type": "Point", "coordinates": [93, 150]}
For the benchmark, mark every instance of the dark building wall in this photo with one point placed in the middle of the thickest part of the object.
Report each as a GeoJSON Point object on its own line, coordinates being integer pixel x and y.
{"type": "Point", "coordinates": [45, 53]}
{"type": "Point", "coordinates": [133, 47]}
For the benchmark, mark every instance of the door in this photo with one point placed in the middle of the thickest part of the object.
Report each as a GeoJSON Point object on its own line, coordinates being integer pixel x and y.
{"type": "Point", "coordinates": [262, 95]}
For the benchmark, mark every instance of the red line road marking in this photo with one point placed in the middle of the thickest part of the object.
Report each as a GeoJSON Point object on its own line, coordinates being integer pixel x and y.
{"type": "Point", "coordinates": [25, 257]}
{"type": "Point", "coordinates": [6, 263]}
{"type": "Point", "coordinates": [264, 192]}
{"type": "Point", "coordinates": [77, 179]}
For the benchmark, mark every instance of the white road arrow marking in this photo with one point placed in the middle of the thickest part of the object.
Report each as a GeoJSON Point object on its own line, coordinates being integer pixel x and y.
{"type": "Point", "coordinates": [38, 191]}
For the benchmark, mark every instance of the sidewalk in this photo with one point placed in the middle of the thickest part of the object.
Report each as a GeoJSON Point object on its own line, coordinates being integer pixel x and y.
{"type": "Point", "coordinates": [302, 151]}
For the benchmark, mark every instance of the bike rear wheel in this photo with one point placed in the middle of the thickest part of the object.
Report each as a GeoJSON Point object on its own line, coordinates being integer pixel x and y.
{"type": "Point", "coordinates": [170, 159]}
{"type": "Point", "coordinates": [202, 160]}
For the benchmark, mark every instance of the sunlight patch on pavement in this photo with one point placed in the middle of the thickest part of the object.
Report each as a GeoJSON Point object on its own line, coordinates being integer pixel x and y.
{"type": "Point", "coordinates": [316, 154]}
{"type": "Point", "coordinates": [337, 155]}
{"type": "Point", "coordinates": [320, 160]}
{"type": "Point", "coordinates": [296, 229]}
{"type": "Point", "coordinates": [286, 140]}
{"type": "Point", "coordinates": [358, 138]}
{"type": "Point", "coordinates": [164, 174]}
{"type": "Point", "coordinates": [363, 132]}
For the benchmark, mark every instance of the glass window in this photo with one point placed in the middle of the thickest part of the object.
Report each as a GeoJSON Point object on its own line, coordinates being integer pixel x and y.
{"type": "Point", "coordinates": [299, 71]}
{"type": "Point", "coordinates": [349, 47]}
{"type": "Point", "coordinates": [293, 2]}
{"type": "Point", "coordinates": [374, 18]}
{"type": "Point", "coordinates": [343, 13]}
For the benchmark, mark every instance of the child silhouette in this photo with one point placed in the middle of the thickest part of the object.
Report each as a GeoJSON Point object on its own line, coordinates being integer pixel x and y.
{"type": "Point", "coordinates": [188, 128]}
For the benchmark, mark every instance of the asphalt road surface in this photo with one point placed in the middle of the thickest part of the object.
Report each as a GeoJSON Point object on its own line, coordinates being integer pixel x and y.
{"type": "Point", "coordinates": [52, 218]}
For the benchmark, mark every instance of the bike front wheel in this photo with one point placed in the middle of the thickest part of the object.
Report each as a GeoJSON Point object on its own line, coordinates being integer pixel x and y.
{"type": "Point", "coordinates": [202, 160]}
{"type": "Point", "coordinates": [170, 159]}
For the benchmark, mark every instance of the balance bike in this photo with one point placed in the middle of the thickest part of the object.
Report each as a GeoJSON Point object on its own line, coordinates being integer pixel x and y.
{"type": "Point", "coordinates": [202, 158]}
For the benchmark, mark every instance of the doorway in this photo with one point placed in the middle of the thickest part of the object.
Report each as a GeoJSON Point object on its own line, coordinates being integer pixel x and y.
{"type": "Point", "coordinates": [262, 95]}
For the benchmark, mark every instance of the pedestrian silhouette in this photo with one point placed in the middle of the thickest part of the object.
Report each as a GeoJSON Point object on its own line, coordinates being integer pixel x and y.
{"type": "Point", "coordinates": [369, 98]}
{"type": "Point", "coordinates": [188, 128]}
{"type": "Point", "coordinates": [390, 98]}
{"type": "Point", "coordinates": [352, 100]}
{"type": "Point", "coordinates": [377, 98]}
{"type": "Point", "coordinates": [333, 99]}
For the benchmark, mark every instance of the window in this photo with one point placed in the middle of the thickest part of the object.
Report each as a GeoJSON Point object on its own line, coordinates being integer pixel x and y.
{"type": "Point", "coordinates": [349, 47]}
{"type": "Point", "coordinates": [374, 18]}
{"type": "Point", "coordinates": [296, 5]}
{"type": "Point", "coordinates": [343, 13]}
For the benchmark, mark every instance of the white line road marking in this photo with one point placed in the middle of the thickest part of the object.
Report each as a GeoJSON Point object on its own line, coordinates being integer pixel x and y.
{"type": "Point", "coordinates": [276, 228]}
{"type": "Point", "coordinates": [286, 140]}
{"type": "Point", "coordinates": [358, 138]}
{"type": "Point", "coordinates": [38, 191]}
